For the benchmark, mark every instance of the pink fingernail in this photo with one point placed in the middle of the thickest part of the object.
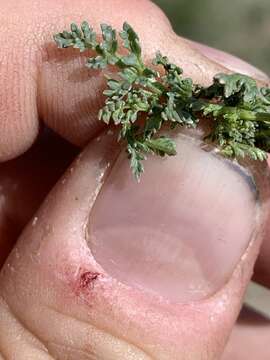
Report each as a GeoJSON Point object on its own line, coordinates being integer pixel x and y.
{"type": "Point", "coordinates": [181, 231]}
{"type": "Point", "coordinates": [230, 61]}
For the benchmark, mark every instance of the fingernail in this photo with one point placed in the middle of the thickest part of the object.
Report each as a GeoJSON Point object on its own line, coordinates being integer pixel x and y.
{"type": "Point", "coordinates": [181, 231]}
{"type": "Point", "coordinates": [230, 61]}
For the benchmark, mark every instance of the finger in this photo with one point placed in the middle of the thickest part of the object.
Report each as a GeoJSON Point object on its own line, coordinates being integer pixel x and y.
{"type": "Point", "coordinates": [230, 61]}
{"type": "Point", "coordinates": [79, 91]}
{"type": "Point", "coordinates": [113, 269]}
{"type": "Point", "coordinates": [25, 181]}
{"type": "Point", "coordinates": [41, 80]}
{"type": "Point", "coordinates": [262, 268]}
{"type": "Point", "coordinates": [253, 330]}
{"type": "Point", "coordinates": [18, 82]}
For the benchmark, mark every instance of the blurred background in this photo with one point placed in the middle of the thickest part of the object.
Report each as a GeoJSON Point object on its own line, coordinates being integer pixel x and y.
{"type": "Point", "coordinates": [241, 27]}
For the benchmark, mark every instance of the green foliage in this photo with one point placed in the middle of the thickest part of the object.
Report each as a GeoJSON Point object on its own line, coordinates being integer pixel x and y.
{"type": "Point", "coordinates": [237, 88]}
{"type": "Point", "coordinates": [238, 109]}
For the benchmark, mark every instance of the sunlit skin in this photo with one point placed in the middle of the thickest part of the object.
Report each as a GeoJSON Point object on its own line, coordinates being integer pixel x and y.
{"type": "Point", "coordinates": [56, 300]}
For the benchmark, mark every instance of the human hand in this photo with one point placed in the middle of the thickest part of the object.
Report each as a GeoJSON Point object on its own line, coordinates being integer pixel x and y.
{"type": "Point", "coordinates": [56, 300]}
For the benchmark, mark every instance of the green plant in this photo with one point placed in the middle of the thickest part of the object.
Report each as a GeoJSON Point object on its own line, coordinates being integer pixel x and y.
{"type": "Point", "coordinates": [140, 99]}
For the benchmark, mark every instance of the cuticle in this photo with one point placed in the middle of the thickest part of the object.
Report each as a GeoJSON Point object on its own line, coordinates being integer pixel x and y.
{"type": "Point", "coordinates": [108, 172]}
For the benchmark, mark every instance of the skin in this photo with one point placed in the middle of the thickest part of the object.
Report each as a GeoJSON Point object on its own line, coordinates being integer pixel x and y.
{"type": "Point", "coordinates": [51, 304]}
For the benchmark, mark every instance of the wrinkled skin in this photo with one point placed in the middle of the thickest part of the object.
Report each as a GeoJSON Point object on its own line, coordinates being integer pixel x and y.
{"type": "Point", "coordinates": [55, 301]}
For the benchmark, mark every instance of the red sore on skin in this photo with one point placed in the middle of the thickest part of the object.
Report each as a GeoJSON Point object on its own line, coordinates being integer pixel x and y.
{"type": "Point", "coordinates": [87, 280]}
{"type": "Point", "coordinates": [84, 282]}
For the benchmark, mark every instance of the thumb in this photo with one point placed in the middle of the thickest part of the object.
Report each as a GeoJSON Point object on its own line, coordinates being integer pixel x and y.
{"type": "Point", "coordinates": [112, 269]}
